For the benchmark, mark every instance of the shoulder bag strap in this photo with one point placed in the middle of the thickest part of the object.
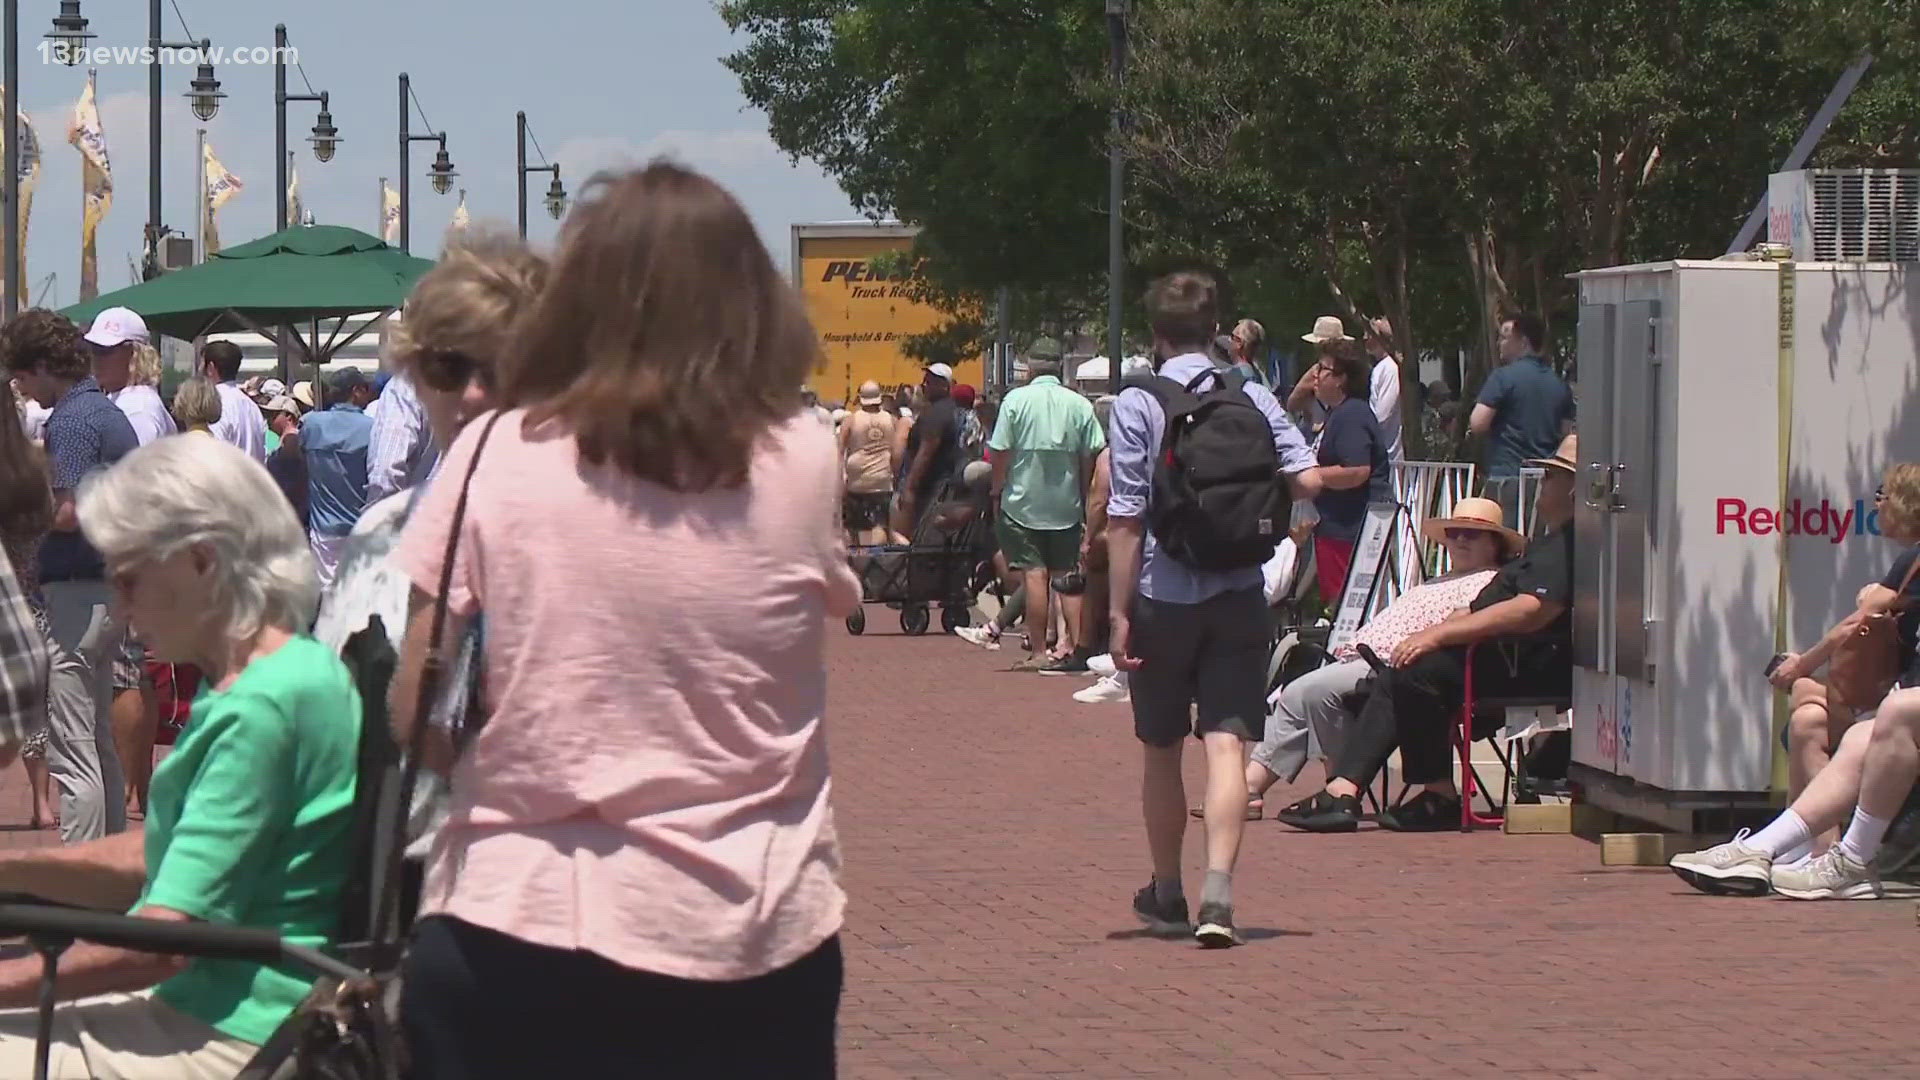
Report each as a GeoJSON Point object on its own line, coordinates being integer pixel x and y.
{"type": "Point", "coordinates": [432, 672]}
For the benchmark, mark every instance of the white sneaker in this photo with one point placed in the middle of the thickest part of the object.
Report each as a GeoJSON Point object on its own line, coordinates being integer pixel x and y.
{"type": "Point", "coordinates": [1729, 869]}
{"type": "Point", "coordinates": [1101, 664]}
{"type": "Point", "coordinates": [1834, 875]}
{"type": "Point", "coordinates": [1111, 689]}
{"type": "Point", "coordinates": [978, 635]}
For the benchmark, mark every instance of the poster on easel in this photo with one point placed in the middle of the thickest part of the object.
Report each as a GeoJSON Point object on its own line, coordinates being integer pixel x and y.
{"type": "Point", "coordinates": [1369, 563]}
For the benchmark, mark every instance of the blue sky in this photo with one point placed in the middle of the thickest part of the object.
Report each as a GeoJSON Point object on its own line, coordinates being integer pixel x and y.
{"type": "Point", "coordinates": [602, 81]}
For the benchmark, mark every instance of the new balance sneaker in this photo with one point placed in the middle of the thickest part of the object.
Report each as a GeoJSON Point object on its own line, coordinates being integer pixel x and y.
{"type": "Point", "coordinates": [1729, 869]}
{"type": "Point", "coordinates": [978, 635]}
{"type": "Point", "coordinates": [1833, 876]}
{"type": "Point", "coordinates": [1167, 919]}
{"type": "Point", "coordinates": [1110, 690]}
{"type": "Point", "coordinates": [1215, 928]}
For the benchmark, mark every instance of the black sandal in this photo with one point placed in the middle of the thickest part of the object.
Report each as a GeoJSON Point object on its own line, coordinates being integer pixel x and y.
{"type": "Point", "coordinates": [1323, 812]}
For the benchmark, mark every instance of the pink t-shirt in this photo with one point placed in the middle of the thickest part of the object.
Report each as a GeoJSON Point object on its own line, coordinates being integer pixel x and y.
{"type": "Point", "coordinates": [651, 784]}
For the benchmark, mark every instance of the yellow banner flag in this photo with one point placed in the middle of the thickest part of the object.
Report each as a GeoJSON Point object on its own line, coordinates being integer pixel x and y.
{"type": "Point", "coordinates": [460, 218]}
{"type": "Point", "coordinates": [389, 213]}
{"type": "Point", "coordinates": [96, 183]}
{"type": "Point", "coordinates": [221, 186]}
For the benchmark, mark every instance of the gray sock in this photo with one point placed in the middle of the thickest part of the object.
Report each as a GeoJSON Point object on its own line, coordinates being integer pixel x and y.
{"type": "Point", "coordinates": [1167, 891]}
{"type": "Point", "coordinates": [1218, 889]}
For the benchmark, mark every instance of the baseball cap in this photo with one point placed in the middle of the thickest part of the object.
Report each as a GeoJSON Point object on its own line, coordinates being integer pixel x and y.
{"type": "Point", "coordinates": [941, 371]}
{"type": "Point", "coordinates": [272, 388]}
{"type": "Point", "coordinates": [963, 396]}
{"type": "Point", "coordinates": [116, 326]}
{"type": "Point", "coordinates": [282, 403]}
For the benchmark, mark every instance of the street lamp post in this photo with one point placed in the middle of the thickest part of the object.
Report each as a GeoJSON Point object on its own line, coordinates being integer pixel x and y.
{"type": "Point", "coordinates": [10, 73]}
{"type": "Point", "coordinates": [324, 138]}
{"type": "Point", "coordinates": [1116, 182]}
{"type": "Point", "coordinates": [442, 168]}
{"type": "Point", "coordinates": [556, 199]}
{"type": "Point", "coordinates": [205, 95]}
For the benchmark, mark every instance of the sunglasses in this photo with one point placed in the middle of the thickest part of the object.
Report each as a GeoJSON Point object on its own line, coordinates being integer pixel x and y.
{"type": "Point", "coordinates": [1465, 534]}
{"type": "Point", "coordinates": [450, 371]}
{"type": "Point", "coordinates": [1880, 495]}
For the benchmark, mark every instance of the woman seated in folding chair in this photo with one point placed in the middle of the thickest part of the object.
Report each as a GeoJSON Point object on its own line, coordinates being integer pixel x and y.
{"type": "Point", "coordinates": [1477, 540]}
{"type": "Point", "coordinates": [1519, 634]}
{"type": "Point", "coordinates": [251, 816]}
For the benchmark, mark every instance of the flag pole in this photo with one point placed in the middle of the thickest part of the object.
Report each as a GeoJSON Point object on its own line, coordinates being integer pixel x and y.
{"type": "Point", "coordinates": [200, 219]}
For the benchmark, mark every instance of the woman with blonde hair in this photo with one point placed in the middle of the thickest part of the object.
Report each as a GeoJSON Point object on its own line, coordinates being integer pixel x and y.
{"type": "Point", "coordinates": [650, 525]}
{"type": "Point", "coordinates": [196, 406]}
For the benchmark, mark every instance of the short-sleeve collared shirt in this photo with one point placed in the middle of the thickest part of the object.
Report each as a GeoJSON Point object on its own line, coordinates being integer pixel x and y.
{"type": "Point", "coordinates": [1051, 436]}
{"type": "Point", "coordinates": [85, 432]}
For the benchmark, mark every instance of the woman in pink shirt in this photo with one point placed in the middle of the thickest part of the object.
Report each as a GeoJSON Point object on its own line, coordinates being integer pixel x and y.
{"type": "Point", "coordinates": [639, 874]}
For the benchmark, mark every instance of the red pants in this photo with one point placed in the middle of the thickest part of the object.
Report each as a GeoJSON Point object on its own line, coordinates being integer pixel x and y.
{"type": "Point", "coordinates": [1331, 558]}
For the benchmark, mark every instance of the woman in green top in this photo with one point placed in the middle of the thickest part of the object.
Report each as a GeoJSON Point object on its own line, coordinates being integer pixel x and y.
{"type": "Point", "coordinates": [250, 818]}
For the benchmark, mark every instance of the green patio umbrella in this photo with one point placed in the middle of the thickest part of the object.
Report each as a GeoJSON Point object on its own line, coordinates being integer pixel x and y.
{"type": "Point", "coordinates": [296, 276]}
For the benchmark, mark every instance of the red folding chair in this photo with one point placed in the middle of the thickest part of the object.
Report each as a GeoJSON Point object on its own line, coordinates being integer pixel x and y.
{"type": "Point", "coordinates": [1463, 740]}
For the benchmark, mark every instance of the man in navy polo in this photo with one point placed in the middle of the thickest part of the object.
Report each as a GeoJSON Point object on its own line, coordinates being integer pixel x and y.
{"type": "Point", "coordinates": [85, 432]}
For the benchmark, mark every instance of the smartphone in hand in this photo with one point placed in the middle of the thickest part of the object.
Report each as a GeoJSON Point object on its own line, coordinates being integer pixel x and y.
{"type": "Point", "coordinates": [1773, 665]}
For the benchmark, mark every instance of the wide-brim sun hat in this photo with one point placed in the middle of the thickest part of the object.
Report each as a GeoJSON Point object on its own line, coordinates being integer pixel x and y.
{"type": "Point", "coordinates": [1566, 458]}
{"type": "Point", "coordinates": [1327, 328]}
{"type": "Point", "coordinates": [1475, 513]}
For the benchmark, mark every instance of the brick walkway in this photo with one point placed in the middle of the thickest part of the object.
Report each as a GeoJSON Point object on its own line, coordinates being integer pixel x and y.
{"type": "Point", "coordinates": [992, 837]}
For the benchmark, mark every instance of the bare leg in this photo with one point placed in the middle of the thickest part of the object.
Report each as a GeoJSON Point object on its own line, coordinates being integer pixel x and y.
{"type": "Point", "coordinates": [1071, 607]}
{"type": "Point", "coordinates": [1038, 589]}
{"type": "Point", "coordinates": [1892, 758]}
{"type": "Point", "coordinates": [1226, 799]}
{"type": "Point", "coordinates": [37, 786]}
{"type": "Point", "coordinates": [1163, 799]}
{"type": "Point", "coordinates": [1828, 799]}
{"type": "Point", "coordinates": [1093, 615]}
{"type": "Point", "coordinates": [129, 714]}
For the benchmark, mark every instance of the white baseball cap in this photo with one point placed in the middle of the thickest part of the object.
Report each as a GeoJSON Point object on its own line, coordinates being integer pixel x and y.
{"type": "Point", "coordinates": [272, 388]}
{"type": "Point", "coordinates": [940, 371]}
{"type": "Point", "coordinates": [282, 403]}
{"type": "Point", "coordinates": [116, 326]}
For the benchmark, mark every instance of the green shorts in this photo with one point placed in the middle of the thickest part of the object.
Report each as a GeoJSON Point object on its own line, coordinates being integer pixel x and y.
{"type": "Point", "coordinates": [1039, 549]}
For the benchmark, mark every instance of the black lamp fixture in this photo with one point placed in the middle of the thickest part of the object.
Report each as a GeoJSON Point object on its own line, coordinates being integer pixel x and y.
{"type": "Point", "coordinates": [70, 35]}
{"type": "Point", "coordinates": [556, 197]}
{"type": "Point", "coordinates": [205, 92]}
{"type": "Point", "coordinates": [325, 136]}
{"type": "Point", "coordinates": [442, 171]}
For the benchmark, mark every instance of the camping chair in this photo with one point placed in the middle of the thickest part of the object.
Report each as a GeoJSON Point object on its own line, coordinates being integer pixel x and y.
{"type": "Point", "coordinates": [345, 1021]}
{"type": "Point", "coordinates": [1505, 742]}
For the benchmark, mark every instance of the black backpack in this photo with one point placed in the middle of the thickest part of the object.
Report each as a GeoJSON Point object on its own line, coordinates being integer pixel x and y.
{"type": "Point", "coordinates": [1218, 501]}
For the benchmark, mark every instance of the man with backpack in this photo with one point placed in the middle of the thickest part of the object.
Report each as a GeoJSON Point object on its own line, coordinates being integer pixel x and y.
{"type": "Point", "coordinates": [1203, 464]}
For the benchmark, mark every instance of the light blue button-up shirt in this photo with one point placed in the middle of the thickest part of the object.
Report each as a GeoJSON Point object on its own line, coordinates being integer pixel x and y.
{"type": "Point", "coordinates": [1133, 439]}
{"type": "Point", "coordinates": [335, 442]}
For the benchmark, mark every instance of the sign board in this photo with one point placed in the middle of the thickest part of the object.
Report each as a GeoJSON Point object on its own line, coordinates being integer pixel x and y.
{"type": "Point", "coordinates": [863, 312]}
{"type": "Point", "coordinates": [1369, 564]}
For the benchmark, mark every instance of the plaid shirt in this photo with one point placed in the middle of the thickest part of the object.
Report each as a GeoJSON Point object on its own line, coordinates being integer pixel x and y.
{"type": "Point", "coordinates": [24, 665]}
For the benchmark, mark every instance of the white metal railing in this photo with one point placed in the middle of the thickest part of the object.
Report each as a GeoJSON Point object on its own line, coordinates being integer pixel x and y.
{"type": "Point", "coordinates": [1428, 489]}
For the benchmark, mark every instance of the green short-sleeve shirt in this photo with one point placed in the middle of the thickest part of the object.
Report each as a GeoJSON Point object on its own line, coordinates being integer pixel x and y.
{"type": "Point", "coordinates": [250, 822]}
{"type": "Point", "coordinates": [1050, 435]}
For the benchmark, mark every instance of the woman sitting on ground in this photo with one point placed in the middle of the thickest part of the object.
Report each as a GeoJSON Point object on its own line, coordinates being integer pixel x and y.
{"type": "Point", "coordinates": [1477, 541]}
{"type": "Point", "coordinates": [1819, 717]}
{"type": "Point", "coordinates": [251, 816]}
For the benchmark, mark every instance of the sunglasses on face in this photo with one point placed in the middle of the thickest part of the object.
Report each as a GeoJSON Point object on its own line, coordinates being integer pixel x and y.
{"type": "Point", "coordinates": [451, 371]}
{"type": "Point", "coordinates": [1880, 495]}
{"type": "Point", "coordinates": [1464, 534]}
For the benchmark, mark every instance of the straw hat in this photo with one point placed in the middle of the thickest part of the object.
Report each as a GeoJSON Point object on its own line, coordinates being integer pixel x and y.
{"type": "Point", "coordinates": [303, 393]}
{"type": "Point", "coordinates": [1566, 458]}
{"type": "Point", "coordinates": [1475, 513]}
{"type": "Point", "coordinates": [1326, 328]}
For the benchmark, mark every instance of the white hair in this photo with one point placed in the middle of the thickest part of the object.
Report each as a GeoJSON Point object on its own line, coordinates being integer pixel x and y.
{"type": "Point", "coordinates": [186, 491]}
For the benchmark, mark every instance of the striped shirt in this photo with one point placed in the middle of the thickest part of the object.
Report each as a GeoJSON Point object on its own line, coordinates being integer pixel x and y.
{"type": "Point", "coordinates": [400, 452]}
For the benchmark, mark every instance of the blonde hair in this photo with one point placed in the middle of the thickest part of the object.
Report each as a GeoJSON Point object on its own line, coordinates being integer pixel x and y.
{"type": "Point", "coordinates": [466, 304]}
{"type": "Point", "coordinates": [144, 370]}
{"type": "Point", "coordinates": [1900, 513]}
{"type": "Point", "coordinates": [196, 403]}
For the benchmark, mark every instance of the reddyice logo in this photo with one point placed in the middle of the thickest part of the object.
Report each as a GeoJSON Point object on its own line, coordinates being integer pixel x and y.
{"type": "Point", "coordinates": [1798, 518]}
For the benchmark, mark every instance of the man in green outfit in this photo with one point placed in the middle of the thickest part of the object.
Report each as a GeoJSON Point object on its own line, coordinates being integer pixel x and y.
{"type": "Point", "coordinates": [1043, 451]}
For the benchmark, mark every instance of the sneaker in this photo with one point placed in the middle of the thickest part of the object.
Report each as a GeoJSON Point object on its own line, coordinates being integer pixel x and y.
{"type": "Point", "coordinates": [1110, 690]}
{"type": "Point", "coordinates": [1729, 869]}
{"type": "Point", "coordinates": [1102, 664]}
{"type": "Point", "coordinates": [1168, 919]}
{"type": "Point", "coordinates": [1215, 929]}
{"type": "Point", "coordinates": [1075, 664]}
{"type": "Point", "coordinates": [1323, 813]}
{"type": "Point", "coordinates": [1832, 876]}
{"type": "Point", "coordinates": [978, 635]}
{"type": "Point", "coordinates": [1425, 812]}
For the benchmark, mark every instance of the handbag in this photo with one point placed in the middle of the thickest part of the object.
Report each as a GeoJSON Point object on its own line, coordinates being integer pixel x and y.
{"type": "Point", "coordinates": [1866, 663]}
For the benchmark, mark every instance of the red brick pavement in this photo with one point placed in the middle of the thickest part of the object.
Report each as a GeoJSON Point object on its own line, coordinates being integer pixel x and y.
{"type": "Point", "coordinates": [992, 839]}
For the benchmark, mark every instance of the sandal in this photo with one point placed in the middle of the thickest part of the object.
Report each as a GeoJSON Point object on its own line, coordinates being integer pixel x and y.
{"type": "Point", "coordinates": [1256, 807]}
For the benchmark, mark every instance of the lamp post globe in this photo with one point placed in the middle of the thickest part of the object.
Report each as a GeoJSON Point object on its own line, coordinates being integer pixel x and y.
{"type": "Point", "coordinates": [69, 34]}
{"type": "Point", "coordinates": [325, 137]}
{"type": "Point", "coordinates": [442, 172]}
{"type": "Point", "coordinates": [205, 94]}
{"type": "Point", "coordinates": [556, 198]}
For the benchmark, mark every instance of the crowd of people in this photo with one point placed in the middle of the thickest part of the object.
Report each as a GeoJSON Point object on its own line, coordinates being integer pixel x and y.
{"type": "Point", "coordinates": [621, 529]}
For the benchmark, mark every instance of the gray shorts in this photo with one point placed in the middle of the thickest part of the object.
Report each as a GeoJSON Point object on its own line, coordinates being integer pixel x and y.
{"type": "Point", "coordinates": [1203, 667]}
